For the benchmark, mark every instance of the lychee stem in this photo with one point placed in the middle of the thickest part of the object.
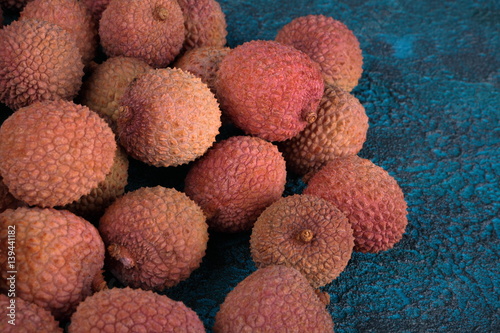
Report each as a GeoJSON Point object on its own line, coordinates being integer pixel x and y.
{"type": "Point", "coordinates": [98, 283]}
{"type": "Point", "coordinates": [323, 296]}
{"type": "Point", "coordinates": [309, 116]}
{"type": "Point", "coordinates": [305, 236]}
{"type": "Point", "coordinates": [160, 13]}
{"type": "Point", "coordinates": [121, 254]}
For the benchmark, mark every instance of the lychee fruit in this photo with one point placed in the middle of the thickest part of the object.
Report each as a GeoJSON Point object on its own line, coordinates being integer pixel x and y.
{"type": "Point", "coordinates": [14, 5]}
{"type": "Point", "coordinates": [71, 15]}
{"type": "Point", "coordinates": [273, 299]}
{"type": "Point", "coordinates": [151, 30]}
{"type": "Point", "coordinates": [57, 257]}
{"type": "Point", "coordinates": [205, 23]}
{"type": "Point", "coordinates": [168, 117]}
{"type": "Point", "coordinates": [305, 232]}
{"type": "Point", "coordinates": [91, 206]}
{"type": "Point", "coordinates": [38, 61]}
{"type": "Point", "coordinates": [23, 316]}
{"type": "Point", "coordinates": [133, 310]}
{"type": "Point", "coordinates": [235, 181]}
{"type": "Point", "coordinates": [203, 62]}
{"type": "Point", "coordinates": [330, 43]}
{"type": "Point", "coordinates": [339, 130]}
{"type": "Point", "coordinates": [371, 199]}
{"type": "Point", "coordinates": [104, 88]}
{"type": "Point", "coordinates": [155, 237]}
{"type": "Point", "coordinates": [269, 89]}
{"type": "Point", "coordinates": [53, 152]}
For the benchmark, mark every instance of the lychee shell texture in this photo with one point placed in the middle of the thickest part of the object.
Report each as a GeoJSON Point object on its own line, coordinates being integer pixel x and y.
{"type": "Point", "coordinates": [372, 200]}
{"type": "Point", "coordinates": [53, 152]}
{"type": "Point", "coordinates": [133, 310]}
{"type": "Point", "coordinates": [28, 317]}
{"type": "Point", "coordinates": [269, 89]}
{"type": "Point", "coordinates": [168, 118]}
{"type": "Point", "coordinates": [58, 254]}
{"type": "Point", "coordinates": [156, 236]}
{"type": "Point", "coordinates": [339, 130]}
{"type": "Point", "coordinates": [38, 61]}
{"type": "Point", "coordinates": [330, 43]}
{"type": "Point", "coordinates": [305, 232]}
{"type": "Point", "coordinates": [236, 180]}
{"type": "Point", "coordinates": [273, 299]}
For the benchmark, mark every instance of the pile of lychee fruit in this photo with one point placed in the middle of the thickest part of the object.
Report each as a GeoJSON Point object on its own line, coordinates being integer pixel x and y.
{"type": "Point", "coordinates": [93, 84]}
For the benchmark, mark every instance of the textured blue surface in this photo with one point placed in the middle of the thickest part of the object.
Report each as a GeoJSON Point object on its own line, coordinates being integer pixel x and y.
{"type": "Point", "coordinates": [430, 87]}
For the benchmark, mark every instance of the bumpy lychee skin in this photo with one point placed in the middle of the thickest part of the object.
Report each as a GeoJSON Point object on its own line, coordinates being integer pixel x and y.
{"type": "Point", "coordinates": [371, 199]}
{"type": "Point", "coordinates": [133, 310]}
{"type": "Point", "coordinates": [273, 299]}
{"type": "Point", "coordinates": [58, 255]}
{"type": "Point", "coordinates": [235, 181]}
{"type": "Point", "coordinates": [203, 62]}
{"type": "Point", "coordinates": [53, 152]}
{"type": "Point", "coordinates": [26, 316]}
{"type": "Point", "coordinates": [91, 206]}
{"type": "Point", "coordinates": [205, 23]}
{"type": "Point", "coordinates": [151, 30]}
{"type": "Point", "coordinates": [269, 89]}
{"type": "Point", "coordinates": [71, 15]}
{"type": "Point", "coordinates": [155, 237]}
{"type": "Point", "coordinates": [328, 42]}
{"type": "Point", "coordinates": [168, 118]}
{"type": "Point", "coordinates": [339, 130]}
{"type": "Point", "coordinates": [102, 91]}
{"type": "Point", "coordinates": [38, 61]}
{"type": "Point", "coordinates": [305, 232]}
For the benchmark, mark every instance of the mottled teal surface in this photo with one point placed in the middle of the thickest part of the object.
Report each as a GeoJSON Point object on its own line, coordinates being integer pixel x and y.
{"type": "Point", "coordinates": [430, 87]}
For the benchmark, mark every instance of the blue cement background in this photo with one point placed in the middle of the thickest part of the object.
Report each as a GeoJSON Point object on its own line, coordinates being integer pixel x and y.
{"type": "Point", "coordinates": [431, 90]}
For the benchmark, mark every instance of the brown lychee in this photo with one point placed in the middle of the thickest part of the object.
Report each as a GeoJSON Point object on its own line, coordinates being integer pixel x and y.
{"type": "Point", "coordinates": [371, 199]}
{"type": "Point", "coordinates": [73, 16]}
{"type": "Point", "coordinates": [133, 310]}
{"type": "Point", "coordinates": [57, 257]}
{"type": "Point", "coordinates": [168, 118]}
{"type": "Point", "coordinates": [273, 299]}
{"type": "Point", "coordinates": [205, 23]}
{"type": "Point", "coordinates": [330, 43]}
{"type": "Point", "coordinates": [23, 316]}
{"type": "Point", "coordinates": [91, 206]}
{"type": "Point", "coordinates": [305, 232]}
{"type": "Point", "coordinates": [38, 61]}
{"type": "Point", "coordinates": [104, 88]}
{"type": "Point", "coordinates": [269, 89]}
{"type": "Point", "coordinates": [155, 237]}
{"type": "Point", "coordinates": [236, 180]}
{"type": "Point", "coordinates": [53, 152]}
{"type": "Point", "coordinates": [339, 130]}
{"type": "Point", "coordinates": [203, 62]}
{"type": "Point", "coordinates": [151, 30]}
